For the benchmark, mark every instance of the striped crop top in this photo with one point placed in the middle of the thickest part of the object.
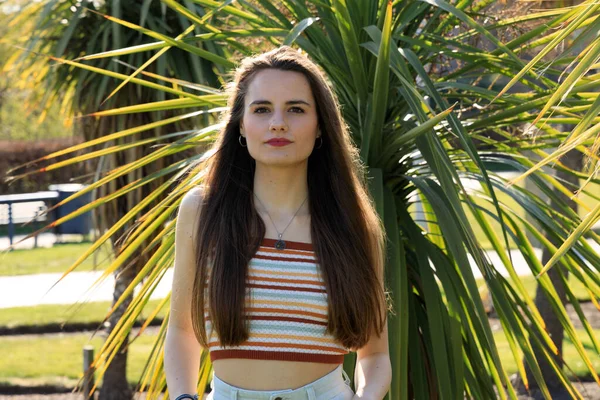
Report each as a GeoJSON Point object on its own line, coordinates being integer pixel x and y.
{"type": "Point", "coordinates": [288, 314]}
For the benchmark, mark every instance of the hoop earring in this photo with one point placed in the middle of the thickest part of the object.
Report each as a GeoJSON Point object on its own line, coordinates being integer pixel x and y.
{"type": "Point", "coordinates": [240, 140]}
{"type": "Point", "coordinates": [320, 143]}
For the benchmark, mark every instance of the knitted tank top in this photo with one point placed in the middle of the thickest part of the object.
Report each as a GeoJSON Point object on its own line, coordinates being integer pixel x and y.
{"type": "Point", "coordinates": [288, 313]}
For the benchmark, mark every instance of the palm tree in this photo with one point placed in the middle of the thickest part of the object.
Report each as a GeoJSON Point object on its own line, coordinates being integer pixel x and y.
{"type": "Point", "coordinates": [424, 121]}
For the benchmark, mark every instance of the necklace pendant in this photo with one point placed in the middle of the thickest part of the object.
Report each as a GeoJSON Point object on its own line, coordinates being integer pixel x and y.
{"type": "Point", "coordinates": [280, 245]}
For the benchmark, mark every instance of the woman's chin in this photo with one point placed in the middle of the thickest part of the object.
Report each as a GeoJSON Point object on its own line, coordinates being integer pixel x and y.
{"type": "Point", "coordinates": [281, 162]}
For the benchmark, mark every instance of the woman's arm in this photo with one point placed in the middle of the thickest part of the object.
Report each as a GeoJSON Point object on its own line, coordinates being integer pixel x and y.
{"type": "Point", "coordinates": [373, 371]}
{"type": "Point", "coordinates": [373, 375]}
{"type": "Point", "coordinates": [182, 361]}
{"type": "Point", "coordinates": [182, 350]}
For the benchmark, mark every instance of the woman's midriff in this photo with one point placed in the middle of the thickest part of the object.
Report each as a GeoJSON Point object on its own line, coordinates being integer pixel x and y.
{"type": "Point", "coordinates": [269, 374]}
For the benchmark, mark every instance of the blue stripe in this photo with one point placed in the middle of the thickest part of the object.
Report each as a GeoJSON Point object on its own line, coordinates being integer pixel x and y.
{"type": "Point", "coordinates": [268, 293]}
{"type": "Point", "coordinates": [309, 265]}
{"type": "Point", "coordinates": [298, 329]}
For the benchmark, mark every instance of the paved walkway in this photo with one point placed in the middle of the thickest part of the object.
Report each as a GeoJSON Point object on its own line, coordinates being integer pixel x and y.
{"type": "Point", "coordinates": [43, 240]}
{"type": "Point", "coordinates": [32, 290]}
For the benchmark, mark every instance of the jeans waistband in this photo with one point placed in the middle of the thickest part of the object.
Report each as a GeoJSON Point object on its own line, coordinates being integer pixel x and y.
{"type": "Point", "coordinates": [331, 382]}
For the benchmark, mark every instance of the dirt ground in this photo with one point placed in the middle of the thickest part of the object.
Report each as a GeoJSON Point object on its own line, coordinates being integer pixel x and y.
{"type": "Point", "coordinates": [589, 390]}
{"type": "Point", "coordinates": [64, 396]}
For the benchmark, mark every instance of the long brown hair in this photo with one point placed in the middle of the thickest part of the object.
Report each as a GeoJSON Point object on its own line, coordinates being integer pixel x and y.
{"type": "Point", "coordinates": [348, 238]}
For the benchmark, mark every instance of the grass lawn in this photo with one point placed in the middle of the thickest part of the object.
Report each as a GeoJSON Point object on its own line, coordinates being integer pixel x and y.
{"type": "Point", "coordinates": [530, 284]}
{"type": "Point", "coordinates": [570, 354]}
{"type": "Point", "coordinates": [54, 259]}
{"type": "Point", "coordinates": [57, 359]}
{"type": "Point", "coordinates": [48, 314]}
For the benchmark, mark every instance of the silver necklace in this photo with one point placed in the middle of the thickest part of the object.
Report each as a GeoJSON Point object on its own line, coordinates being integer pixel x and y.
{"type": "Point", "coordinates": [280, 244]}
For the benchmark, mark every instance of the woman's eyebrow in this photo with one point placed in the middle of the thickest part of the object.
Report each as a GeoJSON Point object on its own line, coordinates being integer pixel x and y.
{"type": "Point", "coordinates": [256, 102]}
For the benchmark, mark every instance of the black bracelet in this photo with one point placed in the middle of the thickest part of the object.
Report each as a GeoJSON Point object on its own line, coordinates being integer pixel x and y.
{"type": "Point", "coordinates": [187, 396]}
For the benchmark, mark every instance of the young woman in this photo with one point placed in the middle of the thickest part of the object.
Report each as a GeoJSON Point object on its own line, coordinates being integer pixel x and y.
{"type": "Point", "coordinates": [279, 253]}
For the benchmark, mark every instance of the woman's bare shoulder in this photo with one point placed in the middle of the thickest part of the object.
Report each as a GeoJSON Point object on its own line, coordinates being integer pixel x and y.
{"type": "Point", "coordinates": [185, 261]}
{"type": "Point", "coordinates": [192, 201]}
{"type": "Point", "coordinates": [189, 210]}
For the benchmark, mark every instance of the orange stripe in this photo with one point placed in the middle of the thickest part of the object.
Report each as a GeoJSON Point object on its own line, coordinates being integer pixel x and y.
{"type": "Point", "coordinates": [296, 337]}
{"type": "Point", "coordinates": [282, 303]}
{"type": "Point", "coordinates": [286, 251]}
{"type": "Point", "coordinates": [290, 303]}
{"type": "Point", "coordinates": [290, 288]}
{"type": "Point", "coordinates": [282, 318]}
{"type": "Point", "coordinates": [284, 311]}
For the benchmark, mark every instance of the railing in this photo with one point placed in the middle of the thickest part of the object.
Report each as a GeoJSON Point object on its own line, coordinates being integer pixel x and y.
{"type": "Point", "coordinates": [49, 197]}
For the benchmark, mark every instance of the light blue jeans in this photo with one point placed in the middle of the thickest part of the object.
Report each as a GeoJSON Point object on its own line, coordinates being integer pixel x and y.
{"type": "Point", "coordinates": [332, 386]}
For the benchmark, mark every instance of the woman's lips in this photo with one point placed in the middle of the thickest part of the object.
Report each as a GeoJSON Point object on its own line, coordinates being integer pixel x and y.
{"type": "Point", "coordinates": [279, 142]}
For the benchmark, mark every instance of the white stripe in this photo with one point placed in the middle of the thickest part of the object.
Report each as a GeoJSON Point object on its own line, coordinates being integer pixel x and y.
{"type": "Point", "coordinates": [296, 285]}
{"type": "Point", "coordinates": [315, 335]}
{"type": "Point", "coordinates": [284, 274]}
{"type": "Point", "coordinates": [315, 302]}
{"type": "Point", "coordinates": [282, 314]}
{"type": "Point", "coordinates": [254, 339]}
{"type": "Point", "coordinates": [262, 307]}
{"type": "Point", "coordinates": [316, 295]}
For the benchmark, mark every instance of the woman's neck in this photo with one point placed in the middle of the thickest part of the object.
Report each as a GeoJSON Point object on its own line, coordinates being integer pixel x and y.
{"type": "Point", "coordinates": [281, 191]}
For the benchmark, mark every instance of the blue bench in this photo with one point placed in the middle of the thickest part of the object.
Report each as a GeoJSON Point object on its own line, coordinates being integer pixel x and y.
{"type": "Point", "coordinates": [80, 224]}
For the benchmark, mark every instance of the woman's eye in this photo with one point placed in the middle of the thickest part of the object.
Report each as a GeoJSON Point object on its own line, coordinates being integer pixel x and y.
{"type": "Point", "coordinates": [298, 110]}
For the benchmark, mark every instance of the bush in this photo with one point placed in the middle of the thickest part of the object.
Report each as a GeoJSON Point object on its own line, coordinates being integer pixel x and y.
{"type": "Point", "coordinates": [18, 152]}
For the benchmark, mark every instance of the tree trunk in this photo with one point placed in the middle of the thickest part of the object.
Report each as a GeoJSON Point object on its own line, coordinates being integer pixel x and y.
{"type": "Point", "coordinates": [115, 385]}
{"type": "Point", "coordinates": [572, 160]}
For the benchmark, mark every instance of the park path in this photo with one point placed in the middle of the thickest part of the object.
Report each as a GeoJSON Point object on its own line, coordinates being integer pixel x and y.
{"type": "Point", "coordinates": [37, 289]}
{"type": "Point", "coordinates": [33, 290]}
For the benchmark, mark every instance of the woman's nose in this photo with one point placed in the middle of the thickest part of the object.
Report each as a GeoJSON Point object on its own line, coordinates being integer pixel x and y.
{"type": "Point", "coordinates": [278, 124]}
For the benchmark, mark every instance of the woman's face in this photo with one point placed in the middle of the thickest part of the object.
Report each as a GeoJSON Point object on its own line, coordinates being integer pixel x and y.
{"type": "Point", "coordinates": [280, 118]}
